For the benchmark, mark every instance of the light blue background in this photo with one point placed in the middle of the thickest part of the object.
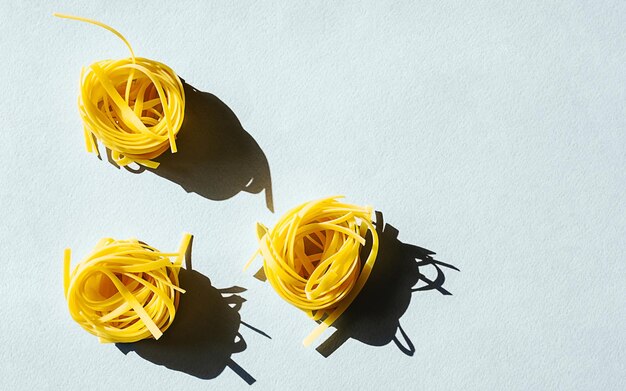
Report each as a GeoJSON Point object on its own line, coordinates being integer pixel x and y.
{"type": "Point", "coordinates": [493, 133]}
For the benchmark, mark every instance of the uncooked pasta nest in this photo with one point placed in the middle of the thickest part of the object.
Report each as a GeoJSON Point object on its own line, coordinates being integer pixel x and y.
{"type": "Point", "coordinates": [125, 290]}
{"type": "Point", "coordinates": [134, 106]}
{"type": "Point", "coordinates": [312, 257]}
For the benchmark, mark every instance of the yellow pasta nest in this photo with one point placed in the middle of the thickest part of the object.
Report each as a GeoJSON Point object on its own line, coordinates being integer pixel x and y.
{"type": "Point", "coordinates": [135, 106]}
{"type": "Point", "coordinates": [125, 290]}
{"type": "Point", "coordinates": [312, 257]}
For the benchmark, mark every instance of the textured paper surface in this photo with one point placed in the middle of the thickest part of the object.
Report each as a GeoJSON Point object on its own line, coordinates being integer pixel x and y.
{"type": "Point", "coordinates": [492, 133]}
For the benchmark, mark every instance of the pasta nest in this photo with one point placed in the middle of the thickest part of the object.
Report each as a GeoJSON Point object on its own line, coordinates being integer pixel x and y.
{"type": "Point", "coordinates": [125, 290]}
{"type": "Point", "coordinates": [312, 257]}
{"type": "Point", "coordinates": [134, 106]}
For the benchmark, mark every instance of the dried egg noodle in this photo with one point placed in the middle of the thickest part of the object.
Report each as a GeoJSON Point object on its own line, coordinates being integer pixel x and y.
{"type": "Point", "coordinates": [125, 290]}
{"type": "Point", "coordinates": [134, 106]}
{"type": "Point", "coordinates": [312, 257]}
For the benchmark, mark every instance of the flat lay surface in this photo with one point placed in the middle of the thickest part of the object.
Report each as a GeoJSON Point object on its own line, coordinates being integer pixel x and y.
{"type": "Point", "coordinates": [492, 134]}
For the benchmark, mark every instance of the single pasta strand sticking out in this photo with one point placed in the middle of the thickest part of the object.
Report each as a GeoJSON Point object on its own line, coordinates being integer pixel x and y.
{"type": "Point", "coordinates": [134, 106]}
{"type": "Point", "coordinates": [312, 257]}
{"type": "Point", "coordinates": [125, 290]}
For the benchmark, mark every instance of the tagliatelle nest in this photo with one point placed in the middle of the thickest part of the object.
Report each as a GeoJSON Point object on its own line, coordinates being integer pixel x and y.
{"type": "Point", "coordinates": [125, 290]}
{"type": "Point", "coordinates": [312, 257]}
{"type": "Point", "coordinates": [134, 106]}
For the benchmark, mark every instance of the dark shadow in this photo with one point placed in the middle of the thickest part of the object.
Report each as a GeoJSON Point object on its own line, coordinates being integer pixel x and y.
{"type": "Point", "coordinates": [204, 334]}
{"type": "Point", "coordinates": [374, 316]}
{"type": "Point", "coordinates": [216, 157]}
